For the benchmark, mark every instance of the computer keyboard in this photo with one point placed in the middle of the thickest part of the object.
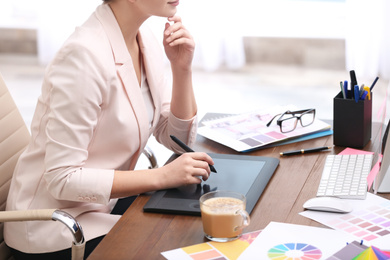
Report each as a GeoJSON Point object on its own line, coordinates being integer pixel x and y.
{"type": "Point", "coordinates": [345, 176]}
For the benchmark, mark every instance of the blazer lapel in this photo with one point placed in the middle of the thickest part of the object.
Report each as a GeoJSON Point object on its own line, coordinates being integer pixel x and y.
{"type": "Point", "coordinates": [153, 64]}
{"type": "Point", "coordinates": [126, 72]}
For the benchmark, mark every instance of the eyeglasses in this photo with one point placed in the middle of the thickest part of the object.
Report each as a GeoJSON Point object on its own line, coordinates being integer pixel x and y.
{"type": "Point", "coordinates": [286, 125]}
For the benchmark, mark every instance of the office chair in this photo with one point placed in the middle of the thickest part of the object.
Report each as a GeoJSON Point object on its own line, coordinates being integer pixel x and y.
{"type": "Point", "coordinates": [14, 137]}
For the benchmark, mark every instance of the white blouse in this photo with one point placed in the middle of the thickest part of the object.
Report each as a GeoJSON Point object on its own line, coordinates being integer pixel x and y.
{"type": "Point", "coordinates": [147, 95]}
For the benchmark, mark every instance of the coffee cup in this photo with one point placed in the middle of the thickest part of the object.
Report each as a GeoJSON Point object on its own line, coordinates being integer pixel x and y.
{"type": "Point", "coordinates": [223, 215]}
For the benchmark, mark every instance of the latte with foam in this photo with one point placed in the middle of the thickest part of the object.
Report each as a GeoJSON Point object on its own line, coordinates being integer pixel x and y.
{"type": "Point", "coordinates": [220, 217]}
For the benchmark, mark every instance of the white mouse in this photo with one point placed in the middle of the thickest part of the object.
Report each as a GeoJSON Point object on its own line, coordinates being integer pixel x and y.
{"type": "Point", "coordinates": [330, 204]}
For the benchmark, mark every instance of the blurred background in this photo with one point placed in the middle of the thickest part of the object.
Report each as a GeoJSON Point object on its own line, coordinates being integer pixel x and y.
{"type": "Point", "coordinates": [249, 53]}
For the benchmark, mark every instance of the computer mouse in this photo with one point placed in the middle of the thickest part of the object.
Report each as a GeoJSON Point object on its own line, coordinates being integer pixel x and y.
{"type": "Point", "coordinates": [329, 204]}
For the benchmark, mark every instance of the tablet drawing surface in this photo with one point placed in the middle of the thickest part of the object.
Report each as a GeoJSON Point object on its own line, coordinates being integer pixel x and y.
{"type": "Point", "coordinates": [247, 175]}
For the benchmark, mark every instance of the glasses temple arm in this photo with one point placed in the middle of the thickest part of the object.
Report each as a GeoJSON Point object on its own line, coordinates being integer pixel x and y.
{"type": "Point", "coordinates": [269, 123]}
{"type": "Point", "coordinates": [300, 111]}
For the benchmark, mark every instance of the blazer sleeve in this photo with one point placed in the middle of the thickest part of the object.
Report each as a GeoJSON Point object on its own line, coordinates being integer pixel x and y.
{"type": "Point", "coordinates": [168, 124]}
{"type": "Point", "coordinates": [77, 90]}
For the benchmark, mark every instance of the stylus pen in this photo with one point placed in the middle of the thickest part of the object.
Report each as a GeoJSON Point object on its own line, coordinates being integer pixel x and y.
{"type": "Point", "coordinates": [311, 150]}
{"type": "Point", "coordinates": [373, 83]}
{"type": "Point", "coordinates": [188, 149]}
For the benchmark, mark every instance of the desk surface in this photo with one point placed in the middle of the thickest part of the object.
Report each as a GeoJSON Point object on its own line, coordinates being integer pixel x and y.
{"type": "Point", "coordinates": [140, 235]}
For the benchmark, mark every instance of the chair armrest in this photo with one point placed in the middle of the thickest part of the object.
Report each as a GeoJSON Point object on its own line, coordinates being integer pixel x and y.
{"type": "Point", "coordinates": [26, 215]}
{"type": "Point", "coordinates": [51, 214]}
{"type": "Point", "coordinates": [151, 157]}
{"type": "Point", "coordinates": [72, 225]}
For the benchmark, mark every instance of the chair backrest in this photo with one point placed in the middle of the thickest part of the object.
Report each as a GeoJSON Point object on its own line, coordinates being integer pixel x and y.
{"type": "Point", "coordinates": [14, 137]}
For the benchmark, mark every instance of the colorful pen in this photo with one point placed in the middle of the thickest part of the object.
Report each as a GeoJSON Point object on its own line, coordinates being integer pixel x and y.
{"type": "Point", "coordinates": [368, 92]}
{"type": "Point", "coordinates": [342, 89]}
{"type": "Point", "coordinates": [364, 95]}
{"type": "Point", "coordinates": [361, 90]}
{"type": "Point", "coordinates": [346, 88]}
{"type": "Point", "coordinates": [302, 151]}
{"type": "Point", "coordinates": [188, 149]}
{"type": "Point", "coordinates": [357, 93]}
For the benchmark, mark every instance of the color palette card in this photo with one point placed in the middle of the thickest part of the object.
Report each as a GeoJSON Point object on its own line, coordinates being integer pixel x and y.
{"type": "Point", "coordinates": [369, 221]}
{"type": "Point", "coordinates": [350, 251]}
{"type": "Point", "coordinates": [249, 131]}
{"type": "Point", "coordinates": [281, 241]}
{"type": "Point", "coordinates": [213, 250]}
{"type": "Point", "coordinates": [358, 251]}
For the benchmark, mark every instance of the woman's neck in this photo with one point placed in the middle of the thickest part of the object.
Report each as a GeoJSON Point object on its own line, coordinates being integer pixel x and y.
{"type": "Point", "coordinates": [129, 19]}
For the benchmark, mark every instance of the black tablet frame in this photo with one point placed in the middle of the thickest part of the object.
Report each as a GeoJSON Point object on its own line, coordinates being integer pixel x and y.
{"type": "Point", "coordinates": [159, 203]}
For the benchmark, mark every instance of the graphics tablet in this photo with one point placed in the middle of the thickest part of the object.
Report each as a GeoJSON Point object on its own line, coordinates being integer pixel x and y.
{"type": "Point", "coordinates": [248, 175]}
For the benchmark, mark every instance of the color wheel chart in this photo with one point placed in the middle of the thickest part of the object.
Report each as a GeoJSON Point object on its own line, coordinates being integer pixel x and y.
{"type": "Point", "coordinates": [373, 253]}
{"type": "Point", "coordinates": [367, 224]}
{"type": "Point", "coordinates": [294, 251]}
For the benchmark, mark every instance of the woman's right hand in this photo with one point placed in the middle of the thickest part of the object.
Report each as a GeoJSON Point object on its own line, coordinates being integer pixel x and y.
{"type": "Point", "coordinates": [188, 168]}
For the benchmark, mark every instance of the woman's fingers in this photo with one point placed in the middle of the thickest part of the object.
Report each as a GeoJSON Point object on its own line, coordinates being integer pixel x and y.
{"type": "Point", "coordinates": [176, 33]}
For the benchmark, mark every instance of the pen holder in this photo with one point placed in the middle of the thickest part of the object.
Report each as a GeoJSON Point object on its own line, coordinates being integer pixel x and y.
{"type": "Point", "coordinates": [351, 121]}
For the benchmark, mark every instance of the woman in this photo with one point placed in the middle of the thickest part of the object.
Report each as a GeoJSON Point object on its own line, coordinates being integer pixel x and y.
{"type": "Point", "coordinates": [103, 95]}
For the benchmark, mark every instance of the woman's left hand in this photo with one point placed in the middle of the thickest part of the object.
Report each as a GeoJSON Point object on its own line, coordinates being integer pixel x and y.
{"type": "Point", "coordinates": [178, 44]}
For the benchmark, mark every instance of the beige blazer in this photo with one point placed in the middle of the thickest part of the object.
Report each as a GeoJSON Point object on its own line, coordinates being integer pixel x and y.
{"type": "Point", "coordinates": [90, 120]}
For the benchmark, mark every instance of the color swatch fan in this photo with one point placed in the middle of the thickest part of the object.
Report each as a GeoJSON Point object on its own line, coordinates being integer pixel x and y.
{"type": "Point", "coordinates": [373, 253]}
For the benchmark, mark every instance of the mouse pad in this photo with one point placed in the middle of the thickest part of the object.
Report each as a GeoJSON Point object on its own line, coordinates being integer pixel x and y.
{"type": "Point", "coordinates": [248, 175]}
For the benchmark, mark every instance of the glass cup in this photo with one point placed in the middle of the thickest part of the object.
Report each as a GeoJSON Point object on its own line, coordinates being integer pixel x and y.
{"type": "Point", "coordinates": [223, 215]}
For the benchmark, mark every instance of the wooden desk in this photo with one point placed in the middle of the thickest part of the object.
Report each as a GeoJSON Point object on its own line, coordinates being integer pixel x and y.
{"type": "Point", "coordinates": [139, 235]}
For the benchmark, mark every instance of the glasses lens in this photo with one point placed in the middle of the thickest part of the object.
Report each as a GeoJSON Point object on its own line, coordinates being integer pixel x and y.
{"type": "Point", "coordinates": [307, 118]}
{"type": "Point", "coordinates": [288, 124]}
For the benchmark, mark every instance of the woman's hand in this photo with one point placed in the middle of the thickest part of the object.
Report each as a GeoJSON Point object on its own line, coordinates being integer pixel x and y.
{"type": "Point", "coordinates": [178, 44]}
{"type": "Point", "coordinates": [188, 168]}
